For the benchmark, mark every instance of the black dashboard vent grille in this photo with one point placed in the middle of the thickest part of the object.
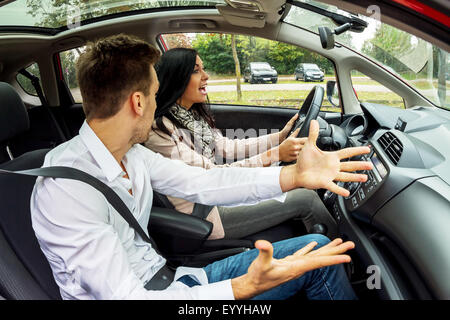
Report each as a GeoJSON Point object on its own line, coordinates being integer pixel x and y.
{"type": "Point", "coordinates": [392, 146]}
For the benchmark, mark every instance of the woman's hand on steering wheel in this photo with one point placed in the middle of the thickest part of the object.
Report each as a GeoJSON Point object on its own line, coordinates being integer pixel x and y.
{"type": "Point", "coordinates": [308, 111]}
{"type": "Point", "coordinates": [289, 149]}
{"type": "Point", "coordinates": [288, 128]}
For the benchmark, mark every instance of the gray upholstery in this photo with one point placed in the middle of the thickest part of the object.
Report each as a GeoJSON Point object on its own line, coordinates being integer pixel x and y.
{"type": "Point", "coordinates": [24, 270]}
{"type": "Point", "coordinates": [29, 267]}
{"type": "Point", "coordinates": [13, 114]}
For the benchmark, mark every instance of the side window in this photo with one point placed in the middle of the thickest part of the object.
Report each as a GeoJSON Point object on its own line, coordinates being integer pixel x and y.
{"type": "Point", "coordinates": [68, 61]}
{"type": "Point", "coordinates": [369, 90]}
{"type": "Point", "coordinates": [25, 83]}
{"type": "Point", "coordinates": [268, 69]}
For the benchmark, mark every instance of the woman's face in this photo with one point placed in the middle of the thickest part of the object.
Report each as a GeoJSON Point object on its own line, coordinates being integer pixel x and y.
{"type": "Point", "coordinates": [196, 89]}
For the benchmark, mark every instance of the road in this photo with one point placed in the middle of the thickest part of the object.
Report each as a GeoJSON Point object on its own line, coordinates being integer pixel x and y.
{"type": "Point", "coordinates": [287, 86]}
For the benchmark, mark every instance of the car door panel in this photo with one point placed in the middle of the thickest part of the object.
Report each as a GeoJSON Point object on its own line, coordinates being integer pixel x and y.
{"type": "Point", "coordinates": [262, 119]}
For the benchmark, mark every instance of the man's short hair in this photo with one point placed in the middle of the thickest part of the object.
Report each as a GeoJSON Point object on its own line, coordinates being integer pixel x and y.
{"type": "Point", "coordinates": [110, 70]}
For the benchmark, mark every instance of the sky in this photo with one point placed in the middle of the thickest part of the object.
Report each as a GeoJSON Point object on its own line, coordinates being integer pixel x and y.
{"type": "Point", "coordinates": [15, 13]}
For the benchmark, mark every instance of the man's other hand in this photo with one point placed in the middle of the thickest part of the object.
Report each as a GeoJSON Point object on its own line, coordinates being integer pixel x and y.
{"type": "Point", "coordinates": [266, 272]}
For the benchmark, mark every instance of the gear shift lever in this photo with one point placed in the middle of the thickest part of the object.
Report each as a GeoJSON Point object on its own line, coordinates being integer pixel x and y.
{"type": "Point", "coordinates": [319, 228]}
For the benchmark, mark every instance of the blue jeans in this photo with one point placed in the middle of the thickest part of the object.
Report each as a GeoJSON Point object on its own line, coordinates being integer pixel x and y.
{"type": "Point", "coordinates": [320, 284]}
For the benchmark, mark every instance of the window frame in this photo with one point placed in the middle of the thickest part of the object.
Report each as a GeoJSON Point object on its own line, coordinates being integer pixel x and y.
{"type": "Point", "coordinates": [164, 47]}
{"type": "Point", "coordinates": [355, 92]}
{"type": "Point", "coordinates": [20, 84]}
{"type": "Point", "coordinates": [59, 67]}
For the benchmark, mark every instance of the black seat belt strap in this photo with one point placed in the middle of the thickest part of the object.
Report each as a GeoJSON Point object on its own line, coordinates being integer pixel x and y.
{"type": "Point", "coordinates": [164, 200]}
{"type": "Point", "coordinates": [36, 84]}
{"type": "Point", "coordinates": [201, 210]}
{"type": "Point", "coordinates": [111, 196]}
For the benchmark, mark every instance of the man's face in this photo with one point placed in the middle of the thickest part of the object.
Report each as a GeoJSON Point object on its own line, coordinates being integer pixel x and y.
{"type": "Point", "coordinates": [145, 123]}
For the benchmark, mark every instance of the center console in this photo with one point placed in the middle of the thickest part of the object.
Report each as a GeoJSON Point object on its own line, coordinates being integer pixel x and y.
{"type": "Point", "coordinates": [361, 191]}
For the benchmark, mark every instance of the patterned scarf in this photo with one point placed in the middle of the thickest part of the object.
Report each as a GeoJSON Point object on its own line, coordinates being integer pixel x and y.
{"type": "Point", "coordinates": [202, 132]}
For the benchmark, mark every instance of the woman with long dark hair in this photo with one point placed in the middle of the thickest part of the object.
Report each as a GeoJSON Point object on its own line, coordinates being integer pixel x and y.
{"type": "Point", "coordinates": [185, 130]}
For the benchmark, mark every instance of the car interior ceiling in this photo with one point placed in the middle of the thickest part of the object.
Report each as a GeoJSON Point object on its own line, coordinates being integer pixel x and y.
{"type": "Point", "coordinates": [37, 128]}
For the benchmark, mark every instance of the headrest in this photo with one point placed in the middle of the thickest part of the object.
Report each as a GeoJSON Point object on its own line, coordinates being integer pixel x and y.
{"type": "Point", "coordinates": [13, 114]}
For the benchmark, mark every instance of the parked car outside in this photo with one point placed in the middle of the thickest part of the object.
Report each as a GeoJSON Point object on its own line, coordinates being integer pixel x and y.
{"type": "Point", "coordinates": [260, 72]}
{"type": "Point", "coordinates": [308, 72]}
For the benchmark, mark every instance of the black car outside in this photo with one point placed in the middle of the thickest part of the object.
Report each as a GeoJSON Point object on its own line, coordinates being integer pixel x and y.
{"type": "Point", "coordinates": [308, 72]}
{"type": "Point", "coordinates": [260, 72]}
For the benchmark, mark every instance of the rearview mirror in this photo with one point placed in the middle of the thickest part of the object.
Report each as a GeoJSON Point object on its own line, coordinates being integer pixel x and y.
{"type": "Point", "coordinates": [332, 93]}
{"type": "Point", "coordinates": [326, 38]}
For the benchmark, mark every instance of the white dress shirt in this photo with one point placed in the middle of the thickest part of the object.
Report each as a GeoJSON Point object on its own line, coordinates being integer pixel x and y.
{"type": "Point", "coordinates": [93, 252]}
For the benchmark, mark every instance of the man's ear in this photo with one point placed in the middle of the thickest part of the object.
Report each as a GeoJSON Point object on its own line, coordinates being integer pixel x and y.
{"type": "Point", "coordinates": [137, 103]}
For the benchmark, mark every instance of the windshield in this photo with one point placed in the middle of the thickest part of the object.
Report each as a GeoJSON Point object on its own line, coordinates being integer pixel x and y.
{"type": "Point", "coordinates": [261, 67]}
{"type": "Point", "coordinates": [61, 13]}
{"type": "Point", "coordinates": [420, 64]}
{"type": "Point", "coordinates": [312, 68]}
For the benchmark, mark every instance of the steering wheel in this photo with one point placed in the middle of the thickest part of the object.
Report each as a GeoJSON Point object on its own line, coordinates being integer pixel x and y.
{"type": "Point", "coordinates": [308, 111]}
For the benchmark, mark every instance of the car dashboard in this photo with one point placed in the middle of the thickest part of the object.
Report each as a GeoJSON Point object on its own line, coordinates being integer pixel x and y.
{"type": "Point", "coordinates": [400, 217]}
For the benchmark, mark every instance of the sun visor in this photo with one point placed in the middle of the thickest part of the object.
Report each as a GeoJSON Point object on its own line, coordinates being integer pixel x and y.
{"type": "Point", "coordinates": [241, 18]}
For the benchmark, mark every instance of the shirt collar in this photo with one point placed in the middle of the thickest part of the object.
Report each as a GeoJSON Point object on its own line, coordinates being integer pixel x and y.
{"type": "Point", "coordinates": [100, 153]}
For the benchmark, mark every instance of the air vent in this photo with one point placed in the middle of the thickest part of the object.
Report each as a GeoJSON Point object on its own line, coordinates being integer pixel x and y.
{"type": "Point", "coordinates": [392, 146]}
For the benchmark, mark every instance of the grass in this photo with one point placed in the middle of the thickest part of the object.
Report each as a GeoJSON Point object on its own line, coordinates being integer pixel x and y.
{"type": "Point", "coordinates": [424, 84]}
{"type": "Point", "coordinates": [421, 84]}
{"type": "Point", "coordinates": [358, 81]}
{"type": "Point", "coordinates": [232, 83]}
{"type": "Point", "coordinates": [295, 98]}
{"type": "Point", "coordinates": [386, 98]}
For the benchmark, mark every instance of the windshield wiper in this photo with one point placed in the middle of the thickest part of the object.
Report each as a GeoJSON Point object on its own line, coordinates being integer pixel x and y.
{"type": "Point", "coordinates": [357, 24]}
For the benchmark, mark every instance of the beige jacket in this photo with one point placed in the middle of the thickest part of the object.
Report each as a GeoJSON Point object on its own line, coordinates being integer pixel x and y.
{"type": "Point", "coordinates": [179, 146]}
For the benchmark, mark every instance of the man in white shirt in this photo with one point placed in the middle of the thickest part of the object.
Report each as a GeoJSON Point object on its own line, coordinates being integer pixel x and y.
{"type": "Point", "coordinates": [95, 254]}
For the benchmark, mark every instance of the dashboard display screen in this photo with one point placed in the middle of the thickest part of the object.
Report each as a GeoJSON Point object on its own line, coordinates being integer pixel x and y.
{"type": "Point", "coordinates": [378, 165]}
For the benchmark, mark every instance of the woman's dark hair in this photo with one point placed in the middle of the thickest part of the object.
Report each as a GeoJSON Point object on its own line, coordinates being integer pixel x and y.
{"type": "Point", "coordinates": [174, 71]}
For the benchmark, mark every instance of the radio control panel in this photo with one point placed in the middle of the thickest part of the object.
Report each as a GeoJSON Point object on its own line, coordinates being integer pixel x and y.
{"type": "Point", "coordinates": [361, 191]}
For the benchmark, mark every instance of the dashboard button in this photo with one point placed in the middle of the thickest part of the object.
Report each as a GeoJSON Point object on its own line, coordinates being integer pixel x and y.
{"type": "Point", "coordinates": [361, 194]}
{"type": "Point", "coordinates": [354, 202]}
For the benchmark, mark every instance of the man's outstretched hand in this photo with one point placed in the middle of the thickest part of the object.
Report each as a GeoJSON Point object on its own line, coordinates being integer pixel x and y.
{"type": "Point", "coordinates": [316, 169]}
{"type": "Point", "coordinates": [266, 272]}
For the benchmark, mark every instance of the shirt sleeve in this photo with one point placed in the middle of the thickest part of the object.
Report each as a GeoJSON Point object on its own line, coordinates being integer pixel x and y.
{"type": "Point", "coordinates": [216, 186]}
{"type": "Point", "coordinates": [79, 242]}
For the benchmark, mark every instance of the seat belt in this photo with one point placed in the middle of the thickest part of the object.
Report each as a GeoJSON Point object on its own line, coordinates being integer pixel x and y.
{"type": "Point", "coordinates": [200, 210]}
{"type": "Point", "coordinates": [35, 82]}
{"type": "Point", "coordinates": [164, 200]}
{"type": "Point", "coordinates": [164, 277]}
